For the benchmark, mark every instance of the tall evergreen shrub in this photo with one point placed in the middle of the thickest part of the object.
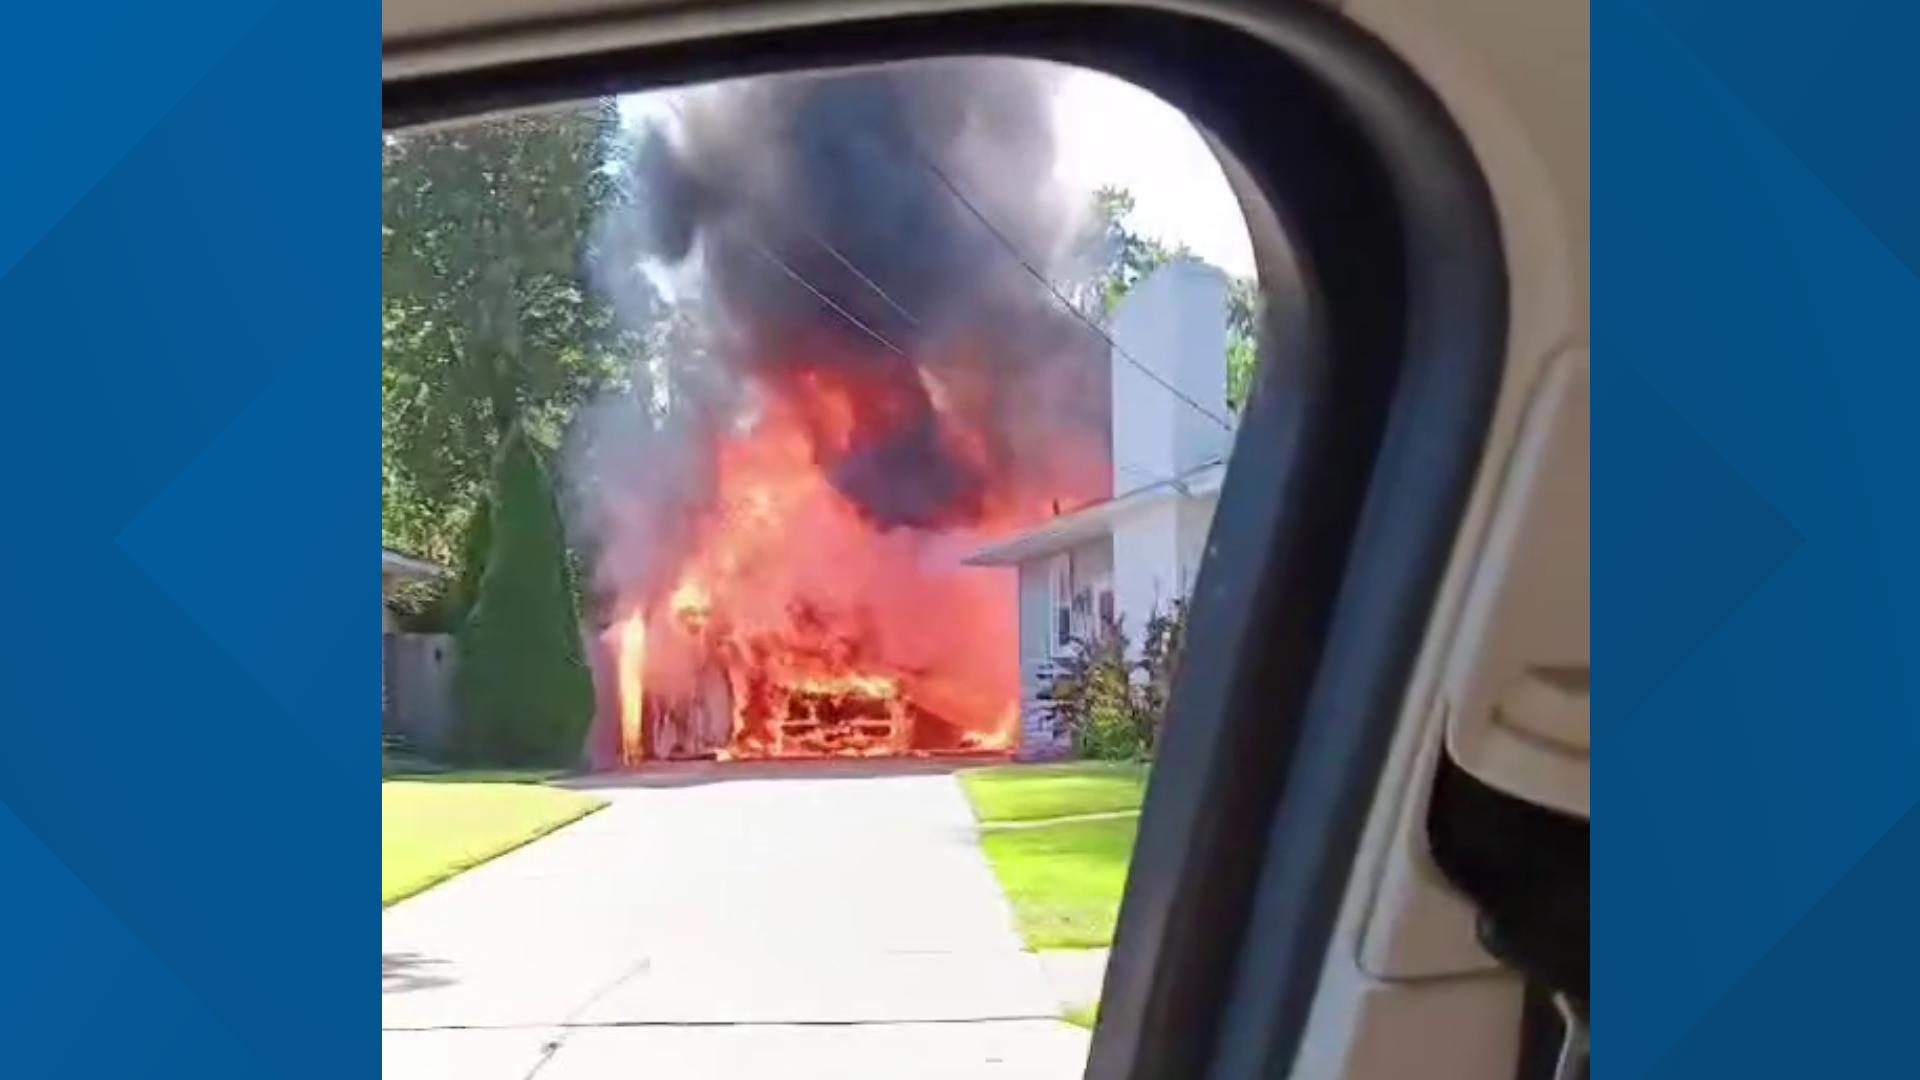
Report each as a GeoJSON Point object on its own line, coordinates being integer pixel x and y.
{"type": "Point", "coordinates": [525, 695]}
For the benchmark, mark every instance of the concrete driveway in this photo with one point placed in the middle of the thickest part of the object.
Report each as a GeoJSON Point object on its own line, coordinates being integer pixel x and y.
{"type": "Point", "coordinates": [832, 920]}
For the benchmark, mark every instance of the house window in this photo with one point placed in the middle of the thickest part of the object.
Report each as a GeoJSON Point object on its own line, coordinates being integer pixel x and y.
{"type": "Point", "coordinates": [1082, 614]}
{"type": "Point", "coordinates": [1060, 603]}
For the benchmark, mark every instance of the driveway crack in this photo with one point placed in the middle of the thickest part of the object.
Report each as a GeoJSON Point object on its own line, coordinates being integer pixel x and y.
{"type": "Point", "coordinates": [571, 1021]}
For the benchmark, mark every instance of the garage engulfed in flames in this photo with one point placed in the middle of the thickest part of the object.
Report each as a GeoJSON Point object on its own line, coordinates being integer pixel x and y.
{"type": "Point", "coordinates": [859, 381]}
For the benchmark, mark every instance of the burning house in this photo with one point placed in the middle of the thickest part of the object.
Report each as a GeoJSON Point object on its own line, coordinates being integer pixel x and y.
{"type": "Point", "coordinates": [860, 382]}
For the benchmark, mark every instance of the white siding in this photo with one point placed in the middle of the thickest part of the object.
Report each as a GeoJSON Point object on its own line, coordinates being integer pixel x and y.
{"type": "Point", "coordinates": [1037, 739]}
{"type": "Point", "coordinates": [1174, 324]}
{"type": "Point", "coordinates": [1146, 561]}
{"type": "Point", "coordinates": [1093, 564]}
{"type": "Point", "coordinates": [1047, 585]}
{"type": "Point", "coordinates": [1036, 615]}
{"type": "Point", "coordinates": [1090, 576]}
{"type": "Point", "coordinates": [1196, 520]}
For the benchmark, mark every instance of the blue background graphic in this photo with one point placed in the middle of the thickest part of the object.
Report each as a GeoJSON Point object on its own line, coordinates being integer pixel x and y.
{"type": "Point", "coordinates": [188, 688]}
{"type": "Point", "coordinates": [188, 282]}
{"type": "Point", "coordinates": [1757, 215]}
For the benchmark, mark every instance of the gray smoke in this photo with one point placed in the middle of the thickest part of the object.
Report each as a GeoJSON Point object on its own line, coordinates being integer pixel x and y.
{"type": "Point", "coordinates": [823, 243]}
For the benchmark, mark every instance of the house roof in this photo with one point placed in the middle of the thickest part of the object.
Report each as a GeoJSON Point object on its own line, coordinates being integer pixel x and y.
{"type": "Point", "coordinates": [394, 564]}
{"type": "Point", "coordinates": [1067, 530]}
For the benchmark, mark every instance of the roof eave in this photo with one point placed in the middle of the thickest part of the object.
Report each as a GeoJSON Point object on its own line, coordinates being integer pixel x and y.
{"type": "Point", "coordinates": [406, 566]}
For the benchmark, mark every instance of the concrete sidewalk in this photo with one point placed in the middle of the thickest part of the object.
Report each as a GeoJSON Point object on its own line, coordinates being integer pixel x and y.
{"type": "Point", "coordinates": [833, 920]}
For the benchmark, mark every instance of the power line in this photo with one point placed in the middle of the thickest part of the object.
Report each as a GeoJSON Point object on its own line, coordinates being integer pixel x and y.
{"type": "Point", "coordinates": [1149, 478]}
{"type": "Point", "coordinates": [1046, 283]}
{"type": "Point", "coordinates": [1005, 243]}
{"type": "Point", "coordinates": [857, 272]}
{"type": "Point", "coordinates": [821, 242]}
{"type": "Point", "coordinates": [765, 253]}
{"type": "Point", "coordinates": [800, 278]}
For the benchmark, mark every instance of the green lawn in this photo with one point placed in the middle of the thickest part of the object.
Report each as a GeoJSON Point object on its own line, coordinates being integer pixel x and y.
{"type": "Point", "coordinates": [432, 828]}
{"type": "Point", "coordinates": [1064, 880]}
{"type": "Point", "coordinates": [1038, 792]}
{"type": "Point", "coordinates": [476, 776]}
{"type": "Point", "coordinates": [1063, 877]}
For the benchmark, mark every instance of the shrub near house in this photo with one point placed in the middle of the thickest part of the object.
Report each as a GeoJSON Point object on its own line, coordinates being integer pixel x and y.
{"type": "Point", "coordinates": [1111, 704]}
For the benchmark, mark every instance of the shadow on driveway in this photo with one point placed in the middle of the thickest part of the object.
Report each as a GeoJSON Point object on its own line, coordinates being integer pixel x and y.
{"type": "Point", "coordinates": [401, 972]}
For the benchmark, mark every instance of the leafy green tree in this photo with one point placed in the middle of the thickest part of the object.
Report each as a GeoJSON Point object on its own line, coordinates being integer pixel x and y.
{"type": "Point", "coordinates": [1243, 354]}
{"type": "Point", "coordinates": [524, 692]}
{"type": "Point", "coordinates": [474, 548]}
{"type": "Point", "coordinates": [1116, 258]}
{"type": "Point", "coordinates": [487, 316]}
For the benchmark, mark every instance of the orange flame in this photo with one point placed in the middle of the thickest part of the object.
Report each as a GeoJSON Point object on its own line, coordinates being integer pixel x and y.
{"type": "Point", "coordinates": [630, 651]}
{"type": "Point", "coordinates": [689, 599]}
{"type": "Point", "coordinates": [794, 626]}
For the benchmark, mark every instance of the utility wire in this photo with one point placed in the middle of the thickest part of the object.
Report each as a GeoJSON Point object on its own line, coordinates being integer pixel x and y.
{"type": "Point", "coordinates": [952, 188]}
{"type": "Point", "coordinates": [857, 272]}
{"type": "Point", "coordinates": [1046, 283]}
{"type": "Point", "coordinates": [1150, 478]}
{"type": "Point", "coordinates": [1147, 478]}
{"type": "Point", "coordinates": [801, 279]}
{"type": "Point", "coordinates": [821, 242]}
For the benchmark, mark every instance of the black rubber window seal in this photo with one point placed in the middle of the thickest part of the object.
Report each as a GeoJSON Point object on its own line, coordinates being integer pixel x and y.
{"type": "Point", "coordinates": [1352, 465]}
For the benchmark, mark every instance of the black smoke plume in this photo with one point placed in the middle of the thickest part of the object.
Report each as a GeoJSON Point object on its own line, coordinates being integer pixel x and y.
{"type": "Point", "coordinates": [818, 221]}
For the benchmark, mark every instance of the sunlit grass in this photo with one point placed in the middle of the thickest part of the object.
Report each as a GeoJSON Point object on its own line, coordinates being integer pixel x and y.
{"type": "Point", "coordinates": [435, 827]}
{"type": "Point", "coordinates": [1037, 792]}
{"type": "Point", "coordinates": [1064, 880]}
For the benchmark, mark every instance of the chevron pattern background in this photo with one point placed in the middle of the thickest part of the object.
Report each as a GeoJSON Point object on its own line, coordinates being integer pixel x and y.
{"type": "Point", "coordinates": [189, 458]}
{"type": "Point", "coordinates": [188, 472]}
{"type": "Point", "coordinates": [1757, 179]}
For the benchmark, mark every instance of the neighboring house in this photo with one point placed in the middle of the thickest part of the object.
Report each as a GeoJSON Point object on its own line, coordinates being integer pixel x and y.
{"type": "Point", "coordinates": [396, 570]}
{"type": "Point", "coordinates": [1131, 555]}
